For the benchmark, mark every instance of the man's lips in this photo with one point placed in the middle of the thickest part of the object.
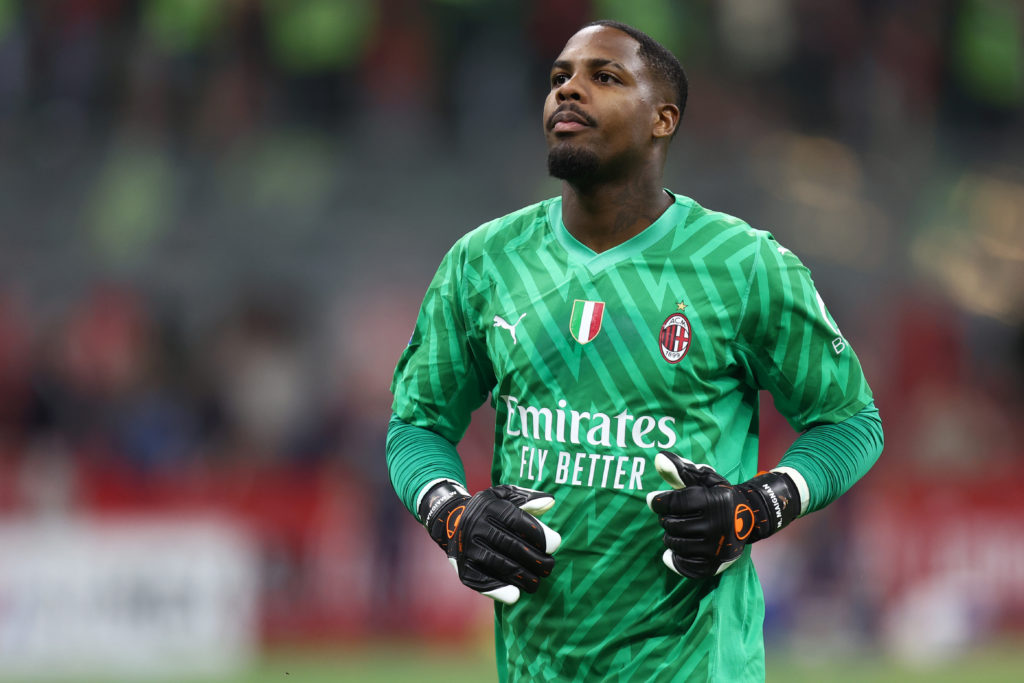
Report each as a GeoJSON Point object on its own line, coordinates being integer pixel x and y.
{"type": "Point", "coordinates": [568, 125]}
{"type": "Point", "coordinates": [569, 119]}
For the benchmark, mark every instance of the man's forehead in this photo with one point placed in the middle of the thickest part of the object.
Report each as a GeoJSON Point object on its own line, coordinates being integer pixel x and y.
{"type": "Point", "coordinates": [603, 42]}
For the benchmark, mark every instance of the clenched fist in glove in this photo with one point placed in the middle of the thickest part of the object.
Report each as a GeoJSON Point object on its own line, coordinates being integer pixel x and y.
{"type": "Point", "coordinates": [708, 521]}
{"type": "Point", "coordinates": [492, 538]}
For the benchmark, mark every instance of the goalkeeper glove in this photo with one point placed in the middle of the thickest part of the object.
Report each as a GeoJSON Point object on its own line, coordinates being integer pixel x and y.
{"type": "Point", "coordinates": [492, 538]}
{"type": "Point", "coordinates": [708, 521]}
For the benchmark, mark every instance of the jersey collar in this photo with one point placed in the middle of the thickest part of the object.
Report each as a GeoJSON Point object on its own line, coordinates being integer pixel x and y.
{"type": "Point", "coordinates": [583, 255]}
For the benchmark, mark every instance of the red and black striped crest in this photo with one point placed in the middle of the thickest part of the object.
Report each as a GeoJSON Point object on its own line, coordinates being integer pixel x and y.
{"type": "Point", "coordinates": [674, 337]}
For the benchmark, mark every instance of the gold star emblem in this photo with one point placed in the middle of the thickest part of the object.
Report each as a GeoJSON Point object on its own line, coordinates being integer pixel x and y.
{"type": "Point", "coordinates": [681, 306]}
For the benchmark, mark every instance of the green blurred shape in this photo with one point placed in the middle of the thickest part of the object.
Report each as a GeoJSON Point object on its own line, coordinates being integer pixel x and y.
{"type": "Point", "coordinates": [988, 51]}
{"type": "Point", "coordinates": [8, 13]}
{"type": "Point", "coordinates": [459, 3]}
{"type": "Point", "coordinates": [290, 170]}
{"type": "Point", "coordinates": [180, 27]}
{"type": "Point", "coordinates": [311, 36]}
{"type": "Point", "coordinates": [131, 203]}
{"type": "Point", "coordinates": [673, 24]}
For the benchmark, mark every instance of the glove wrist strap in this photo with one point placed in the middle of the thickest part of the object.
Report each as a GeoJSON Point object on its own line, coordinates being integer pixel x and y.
{"type": "Point", "coordinates": [780, 500]}
{"type": "Point", "coordinates": [435, 498]}
{"type": "Point", "coordinates": [436, 506]}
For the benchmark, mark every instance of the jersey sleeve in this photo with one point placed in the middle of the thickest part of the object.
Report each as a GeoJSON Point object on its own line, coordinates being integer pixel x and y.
{"type": "Point", "coordinates": [830, 458]}
{"type": "Point", "coordinates": [792, 347]}
{"type": "Point", "coordinates": [443, 375]}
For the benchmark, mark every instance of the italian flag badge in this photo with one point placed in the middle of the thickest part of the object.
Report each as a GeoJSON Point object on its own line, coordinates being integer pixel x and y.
{"type": "Point", "coordinates": [586, 320]}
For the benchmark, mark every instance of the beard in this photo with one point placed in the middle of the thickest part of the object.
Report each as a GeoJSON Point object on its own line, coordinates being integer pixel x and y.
{"type": "Point", "coordinates": [572, 164]}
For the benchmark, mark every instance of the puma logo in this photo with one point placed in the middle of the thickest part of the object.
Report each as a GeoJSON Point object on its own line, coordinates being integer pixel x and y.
{"type": "Point", "coordinates": [500, 322]}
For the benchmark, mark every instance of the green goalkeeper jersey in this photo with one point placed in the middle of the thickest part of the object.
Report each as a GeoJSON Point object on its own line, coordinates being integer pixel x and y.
{"type": "Point", "coordinates": [595, 363]}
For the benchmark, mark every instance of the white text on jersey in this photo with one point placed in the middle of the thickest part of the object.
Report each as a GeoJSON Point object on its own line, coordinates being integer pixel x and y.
{"type": "Point", "coordinates": [584, 469]}
{"type": "Point", "coordinates": [593, 429]}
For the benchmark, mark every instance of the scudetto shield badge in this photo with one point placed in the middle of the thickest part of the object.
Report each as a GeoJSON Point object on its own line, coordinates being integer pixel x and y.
{"type": "Point", "coordinates": [586, 319]}
{"type": "Point", "coordinates": [674, 338]}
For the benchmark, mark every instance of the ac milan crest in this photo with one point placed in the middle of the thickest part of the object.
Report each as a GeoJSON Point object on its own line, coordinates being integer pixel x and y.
{"type": "Point", "coordinates": [674, 338]}
{"type": "Point", "coordinates": [585, 322]}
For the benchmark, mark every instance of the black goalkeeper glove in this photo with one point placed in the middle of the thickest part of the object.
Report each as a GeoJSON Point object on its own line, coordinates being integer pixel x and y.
{"type": "Point", "coordinates": [492, 538]}
{"type": "Point", "coordinates": [708, 521]}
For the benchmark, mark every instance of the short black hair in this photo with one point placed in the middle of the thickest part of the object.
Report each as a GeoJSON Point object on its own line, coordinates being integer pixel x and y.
{"type": "Point", "coordinates": [659, 59]}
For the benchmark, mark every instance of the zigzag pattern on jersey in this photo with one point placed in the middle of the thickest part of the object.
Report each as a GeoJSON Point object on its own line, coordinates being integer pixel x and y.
{"type": "Point", "coordinates": [610, 607]}
{"type": "Point", "coordinates": [568, 610]}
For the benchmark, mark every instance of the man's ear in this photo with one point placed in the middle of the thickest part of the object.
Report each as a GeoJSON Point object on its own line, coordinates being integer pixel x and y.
{"type": "Point", "coordinates": [667, 120]}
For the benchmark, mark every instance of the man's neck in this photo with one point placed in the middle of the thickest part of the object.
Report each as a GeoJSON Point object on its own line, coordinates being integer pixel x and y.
{"type": "Point", "coordinates": [605, 216]}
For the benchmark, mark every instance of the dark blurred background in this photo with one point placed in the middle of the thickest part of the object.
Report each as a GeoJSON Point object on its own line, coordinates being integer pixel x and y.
{"type": "Point", "coordinates": [218, 217]}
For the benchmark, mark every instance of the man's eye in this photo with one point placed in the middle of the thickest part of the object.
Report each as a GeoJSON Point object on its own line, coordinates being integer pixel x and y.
{"type": "Point", "coordinates": [605, 78]}
{"type": "Point", "coordinates": [559, 79]}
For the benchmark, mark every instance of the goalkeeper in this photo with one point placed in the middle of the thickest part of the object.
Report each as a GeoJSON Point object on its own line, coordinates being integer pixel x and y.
{"type": "Point", "coordinates": [623, 333]}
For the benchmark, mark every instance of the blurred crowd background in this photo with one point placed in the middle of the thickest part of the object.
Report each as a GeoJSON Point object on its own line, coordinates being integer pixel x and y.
{"type": "Point", "coordinates": [218, 217]}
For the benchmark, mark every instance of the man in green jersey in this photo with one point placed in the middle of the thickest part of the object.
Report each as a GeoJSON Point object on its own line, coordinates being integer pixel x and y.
{"type": "Point", "coordinates": [622, 333]}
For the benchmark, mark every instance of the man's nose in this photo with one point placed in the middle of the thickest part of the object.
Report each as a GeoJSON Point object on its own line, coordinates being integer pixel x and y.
{"type": "Point", "coordinates": [569, 90]}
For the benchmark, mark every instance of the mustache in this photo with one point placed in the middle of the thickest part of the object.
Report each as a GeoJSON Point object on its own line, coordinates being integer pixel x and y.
{"type": "Point", "coordinates": [569, 106]}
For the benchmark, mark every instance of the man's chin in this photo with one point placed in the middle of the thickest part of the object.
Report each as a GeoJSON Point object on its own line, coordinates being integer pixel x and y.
{"type": "Point", "coordinates": [572, 163]}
